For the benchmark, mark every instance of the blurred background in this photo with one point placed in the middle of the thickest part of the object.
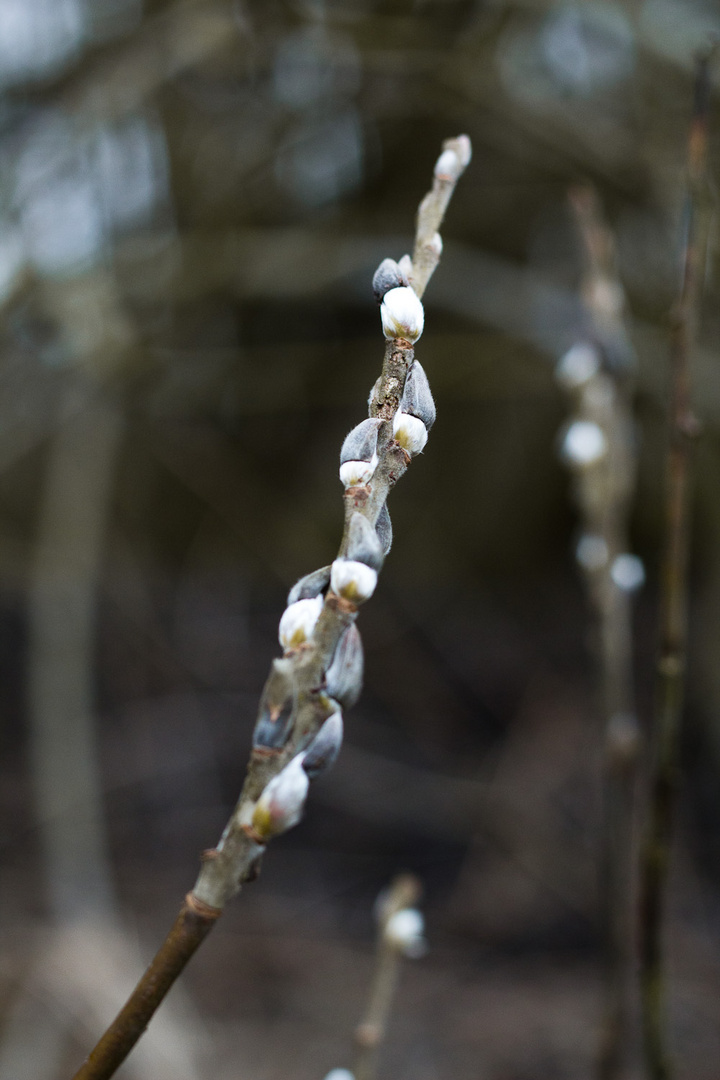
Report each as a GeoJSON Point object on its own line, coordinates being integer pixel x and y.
{"type": "Point", "coordinates": [193, 198]}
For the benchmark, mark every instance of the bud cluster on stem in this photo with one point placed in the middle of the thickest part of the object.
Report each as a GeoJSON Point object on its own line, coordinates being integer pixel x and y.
{"type": "Point", "coordinates": [299, 727]}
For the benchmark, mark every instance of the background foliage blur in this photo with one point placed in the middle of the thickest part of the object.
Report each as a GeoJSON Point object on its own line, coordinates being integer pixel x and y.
{"type": "Point", "coordinates": [193, 198]}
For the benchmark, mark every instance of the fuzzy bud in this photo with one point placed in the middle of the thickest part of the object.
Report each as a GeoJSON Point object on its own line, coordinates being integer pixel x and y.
{"type": "Point", "coordinates": [274, 722]}
{"type": "Point", "coordinates": [383, 527]}
{"type": "Point", "coordinates": [402, 314]}
{"type": "Point", "coordinates": [584, 444]}
{"type": "Point", "coordinates": [340, 1074]}
{"type": "Point", "coordinates": [417, 399]}
{"type": "Point", "coordinates": [387, 276]}
{"type": "Point", "coordinates": [344, 676]}
{"type": "Point", "coordinates": [323, 751]}
{"type": "Point", "coordinates": [627, 572]}
{"type": "Point", "coordinates": [404, 930]}
{"type": "Point", "coordinates": [352, 580]}
{"type": "Point", "coordinates": [363, 543]}
{"type": "Point", "coordinates": [410, 432]}
{"type": "Point", "coordinates": [577, 366]}
{"type": "Point", "coordinates": [298, 622]}
{"type": "Point", "coordinates": [592, 552]}
{"type": "Point", "coordinates": [281, 804]}
{"type": "Point", "coordinates": [358, 455]}
{"type": "Point", "coordinates": [310, 586]}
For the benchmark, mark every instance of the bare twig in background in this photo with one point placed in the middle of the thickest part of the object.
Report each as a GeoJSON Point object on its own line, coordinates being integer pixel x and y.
{"type": "Point", "coordinates": [399, 934]}
{"type": "Point", "coordinates": [655, 853]}
{"type": "Point", "coordinates": [298, 709]}
{"type": "Point", "coordinates": [599, 380]}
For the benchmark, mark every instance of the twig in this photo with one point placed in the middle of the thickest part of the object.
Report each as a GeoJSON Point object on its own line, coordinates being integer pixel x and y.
{"type": "Point", "coordinates": [655, 853]}
{"type": "Point", "coordinates": [396, 905]}
{"type": "Point", "coordinates": [603, 396]}
{"type": "Point", "coordinates": [299, 728]}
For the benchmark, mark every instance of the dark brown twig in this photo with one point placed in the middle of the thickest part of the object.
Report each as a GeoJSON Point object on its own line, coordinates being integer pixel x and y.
{"type": "Point", "coordinates": [674, 595]}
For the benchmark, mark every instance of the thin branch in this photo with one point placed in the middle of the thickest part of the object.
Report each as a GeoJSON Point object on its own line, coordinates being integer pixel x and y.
{"type": "Point", "coordinates": [401, 897]}
{"type": "Point", "coordinates": [655, 854]}
{"type": "Point", "coordinates": [605, 491]}
{"type": "Point", "coordinates": [296, 702]}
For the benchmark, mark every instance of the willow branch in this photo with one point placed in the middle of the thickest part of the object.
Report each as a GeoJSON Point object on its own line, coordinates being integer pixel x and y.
{"type": "Point", "coordinates": [605, 488]}
{"type": "Point", "coordinates": [297, 701]}
{"type": "Point", "coordinates": [399, 901]}
{"type": "Point", "coordinates": [674, 594]}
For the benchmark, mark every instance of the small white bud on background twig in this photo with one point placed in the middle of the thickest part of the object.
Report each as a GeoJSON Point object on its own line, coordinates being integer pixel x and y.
{"type": "Point", "coordinates": [592, 552]}
{"type": "Point", "coordinates": [352, 580]}
{"type": "Point", "coordinates": [584, 444]}
{"type": "Point", "coordinates": [323, 751]}
{"type": "Point", "coordinates": [410, 432]}
{"type": "Point", "coordinates": [405, 931]}
{"type": "Point", "coordinates": [282, 802]}
{"type": "Point", "coordinates": [339, 1074]}
{"type": "Point", "coordinates": [402, 314]}
{"type": "Point", "coordinates": [628, 572]}
{"type": "Point", "coordinates": [298, 622]}
{"type": "Point", "coordinates": [577, 366]}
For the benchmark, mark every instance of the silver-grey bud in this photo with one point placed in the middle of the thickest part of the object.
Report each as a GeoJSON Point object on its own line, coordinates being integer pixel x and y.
{"type": "Point", "coordinates": [387, 276]}
{"type": "Point", "coordinates": [323, 751]}
{"type": "Point", "coordinates": [343, 678]}
{"type": "Point", "coordinates": [361, 443]}
{"type": "Point", "coordinates": [417, 399]}
{"type": "Point", "coordinates": [363, 544]}
{"type": "Point", "coordinates": [310, 586]}
{"type": "Point", "coordinates": [277, 708]}
{"type": "Point", "coordinates": [383, 528]}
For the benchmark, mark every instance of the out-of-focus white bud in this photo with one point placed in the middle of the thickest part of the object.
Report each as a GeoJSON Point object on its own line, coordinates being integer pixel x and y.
{"type": "Point", "coordinates": [387, 276]}
{"type": "Point", "coordinates": [281, 804]}
{"type": "Point", "coordinates": [628, 572]}
{"type": "Point", "coordinates": [354, 581]}
{"type": "Point", "coordinates": [402, 314]}
{"type": "Point", "coordinates": [298, 622]}
{"type": "Point", "coordinates": [323, 751]}
{"type": "Point", "coordinates": [383, 527]}
{"type": "Point", "coordinates": [310, 585]}
{"type": "Point", "coordinates": [584, 444]}
{"type": "Point", "coordinates": [358, 454]}
{"type": "Point", "coordinates": [436, 244]}
{"type": "Point", "coordinates": [340, 1074]}
{"type": "Point", "coordinates": [404, 931]}
{"type": "Point", "coordinates": [274, 722]}
{"type": "Point", "coordinates": [417, 399]}
{"type": "Point", "coordinates": [343, 678]}
{"type": "Point", "coordinates": [410, 432]}
{"type": "Point", "coordinates": [363, 543]}
{"type": "Point", "coordinates": [592, 552]}
{"type": "Point", "coordinates": [578, 366]}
